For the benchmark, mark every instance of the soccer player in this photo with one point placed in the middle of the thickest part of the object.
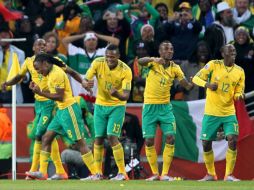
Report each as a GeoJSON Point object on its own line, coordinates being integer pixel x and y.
{"type": "Point", "coordinates": [157, 108]}
{"type": "Point", "coordinates": [43, 111]}
{"type": "Point", "coordinates": [114, 85]}
{"type": "Point", "coordinates": [225, 83]}
{"type": "Point", "coordinates": [68, 119]}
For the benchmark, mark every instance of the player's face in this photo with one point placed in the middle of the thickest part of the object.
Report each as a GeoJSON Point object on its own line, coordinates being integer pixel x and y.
{"type": "Point", "coordinates": [112, 57]}
{"type": "Point", "coordinates": [229, 53]}
{"type": "Point", "coordinates": [166, 51]}
{"type": "Point", "coordinates": [39, 46]}
{"type": "Point", "coordinates": [41, 68]}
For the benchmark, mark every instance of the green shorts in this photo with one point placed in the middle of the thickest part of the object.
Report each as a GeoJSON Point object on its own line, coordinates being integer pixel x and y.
{"type": "Point", "coordinates": [68, 123]}
{"type": "Point", "coordinates": [211, 124]}
{"type": "Point", "coordinates": [108, 120]}
{"type": "Point", "coordinates": [154, 114]}
{"type": "Point", "coordinates": [43, 116]}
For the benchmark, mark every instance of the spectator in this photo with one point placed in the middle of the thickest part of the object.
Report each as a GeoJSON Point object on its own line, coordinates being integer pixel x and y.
{"type": "Point", "coordinates": [147, 37]}
{"type": "Point", "coordinates": [226, 21]}
{"type": "Point", "coordinates": [245, 55]}
{"type": "Point", "coordinates": [139, 72]}
{"type": "Point", "coordinates": [169, 3]}
{"type": "Point", "coordinates": [243, 16]}
{"type": "Point", "coordinates": [163, 11]}
{"type": "Point", "coordinates": [198, 59]}
{"type": "Point", "coordinates": [204, 12]}
{"type": "Point", "coordinates": [8, 55]}
{"type": "Point", "coordinates": [24, 29]}
{"type": "Point", "coordinates": [220, 32]}
{"type": "Point", "coordinates": [5, 143]}
{"type": "Point", "coordinates": [181, 31]}
{"type": "Point", "coordinates": [114, 24]}
{"type": "Point", "coordinates": [43, 16]}
{"type": "Point", "coordinates": [52, 43]}
{"type": "Point", "coordinates": [86, 24]}
{"type": "Point", "coordinates": [68, 23]}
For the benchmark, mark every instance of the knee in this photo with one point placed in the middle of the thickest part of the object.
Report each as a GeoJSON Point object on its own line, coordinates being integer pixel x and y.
{"type": "Point", "coordinates": [99, 141]}
{"type": "Point", "coordinates": [47, 139]}
{"type": "Point", "coordinates": [170, 139]}
{"type": "Point", "coordinates": [207, 146]}
{"type": "Point", "coordinates": [113, 140]}
{"type": "Point", "coordinates": [38, 138]}
{"type": "Point", "coordinates": [149, 142]}
{"type": "Point", "coordinates": [232, 141]}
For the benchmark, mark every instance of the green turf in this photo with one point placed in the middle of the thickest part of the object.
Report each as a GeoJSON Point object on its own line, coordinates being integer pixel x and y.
{"type": "Point", "coordinates": [126, 185]}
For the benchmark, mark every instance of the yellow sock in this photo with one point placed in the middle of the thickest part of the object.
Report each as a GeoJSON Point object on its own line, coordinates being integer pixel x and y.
{"type": "Point", "coordinates": [44, 161]}
{"type": "Point", "coordinates": [89, 161]}
{"type": "Point", "coordinates": [168, 154]}
{"type": "Point", "coordinates": [119, 158]}
{"type": "Point", "coordinates": [230, 161]}
{"type": "Point", "coordinates": [56, 158]}
{"type": "Point", "coordinates": [98, 157]}
{"type": "Point", "coordinates": [209, 162]}
{"type": "Point", "coordinates": [152, 159]}
{"type": "Point", "coordinates": [36, 156]}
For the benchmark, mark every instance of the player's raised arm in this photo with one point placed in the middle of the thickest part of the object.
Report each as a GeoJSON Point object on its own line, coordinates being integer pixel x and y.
{"type": "Point", "coordinates": [145, 60]}
{"type": "Point", "coordinates": [74, 74]}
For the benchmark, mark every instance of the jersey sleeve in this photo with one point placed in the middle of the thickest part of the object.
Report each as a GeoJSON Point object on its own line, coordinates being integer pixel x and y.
{"type": "Point", "coordinates": [179, 73]}
{"type": "Point", "coordinates": [23, 70]}
{"type": "Point", "coordinates": [58, 81]}
{"type": "Point", "coordinates": [203, 75]}
{"type": "Point", "coordinates": [239, 89]}
{"type": "Point", "coordinates": [126, 83]}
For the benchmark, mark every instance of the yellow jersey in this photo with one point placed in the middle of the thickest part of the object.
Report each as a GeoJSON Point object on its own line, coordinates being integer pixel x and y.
{"type": "Point", "coordinates": [118, 78]}
{"type": "Point", "coordinates": [57, 78]}
{"type": "Point", "coordinates": [39, 79]}
{"type": "Point", "coordinates": [159, 81]}
{"type": "Point", "coordinates": [4, 68]}
{"type": "Point", "coordinates": [230, 85]}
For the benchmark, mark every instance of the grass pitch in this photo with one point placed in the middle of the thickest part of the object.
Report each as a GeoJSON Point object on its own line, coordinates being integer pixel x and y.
{"type": "Point", "coordinates": [124, 185]}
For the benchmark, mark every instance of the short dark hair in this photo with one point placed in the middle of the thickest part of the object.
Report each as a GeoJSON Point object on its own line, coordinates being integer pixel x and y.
{"type": "Point", "coordinates": [112, 47]}
{"type": "Point", "coordinates": [161, 5]}
{"type": "Point", "coordinates": [164, 42]}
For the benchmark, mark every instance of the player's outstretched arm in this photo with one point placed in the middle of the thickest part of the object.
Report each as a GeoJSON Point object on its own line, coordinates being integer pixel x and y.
{"type": "Point", "coordinates": [11, 82]}
{"type": "Point", "coordinates": [186, 84]}
{"type": "Point", "coordinates": [145, 60]}
{"type": "Point", "coordinates": [74, 74]}
{"type": "Point", "coordinates": [88, 85]}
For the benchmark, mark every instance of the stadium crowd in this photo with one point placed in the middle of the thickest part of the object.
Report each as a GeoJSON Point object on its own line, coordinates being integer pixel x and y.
{"type": "Point", "coordinates": [197, 30]}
